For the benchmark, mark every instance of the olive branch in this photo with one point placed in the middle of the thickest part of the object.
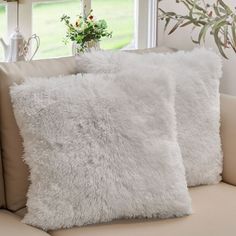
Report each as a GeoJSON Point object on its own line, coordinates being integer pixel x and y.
{"type": "Point", "coordinates": [218, 19]}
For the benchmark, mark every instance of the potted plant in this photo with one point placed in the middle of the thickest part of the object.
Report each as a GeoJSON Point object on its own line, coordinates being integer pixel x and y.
{"type": "Point", "coordinates": [86, 32]}
{"type": "Point", "coordinates": [217, 18]}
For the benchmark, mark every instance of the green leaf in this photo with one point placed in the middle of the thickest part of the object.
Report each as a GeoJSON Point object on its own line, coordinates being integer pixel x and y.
{"type": "Point", "coordinates": [226, 7]}
{"type": "Point", "coordinates": [194, 41]}
{"type": "Point", "coordinates": [234, 34]}
{"type": "Point", "coordinates": [162, 11]}
{"type": "Point", "coordinates": [176, 26]}
{"type": "Point", "coordinates": [186, 23]}
{"type": "Point", "coordinates": [218, 41]}
{"type": "Point", "coordinates": [202, 33]}
{"type": "Point", "coordinates": [225, 36]}
{"type": "Point", "coordinates": [186, 5]}
{"type": "Point", "coordinates": [167, 23]}
{"type": "Point", "coordinates": [195, 5]}
{"type": "Point", "coordinates": [219, 23]}
{"type": "Point", "coordinates": [220, 47]}
{"type": "Point", "coordinates": [216, 10]}
{"type": "Point", "coordinates": [222, 10]}
{"type": "Point", "coordinates": [170, 13]}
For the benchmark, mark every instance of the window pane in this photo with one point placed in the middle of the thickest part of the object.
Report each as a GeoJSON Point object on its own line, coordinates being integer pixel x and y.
{"type": "Point", "coordinates": [3, 28]}
{"type": "Point", "coordinates": [119, 15]}
{"type": "Point", "coordinates": [47, 25]}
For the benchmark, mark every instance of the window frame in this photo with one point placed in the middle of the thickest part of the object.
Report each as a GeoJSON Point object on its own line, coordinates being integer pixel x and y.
{"type": "Point", "coordinates": [11, 17]}
{"type": "Point", "coordinates": [11, 12]}
{"type": "Point", "coordinates": [145, 17]}
{"type": "Point", "coordinates": [3, 36]}
{"type": "Point", "coordinates": [145, 21]}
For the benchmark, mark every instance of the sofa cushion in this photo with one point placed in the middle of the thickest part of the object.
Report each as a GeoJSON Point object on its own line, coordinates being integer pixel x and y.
{"type": "Point", "coordinates": [214, 214]}
{"type": "Point", "coordinates": [197, 74]}
{"type": "Point", "coordinates": [15, 171]}
{"type": "Point", "coordinates": [104, 145]}
{"type": "Point", "coordinates": [228, 137]}
{"type": "Point", "coordinates": [10, 225]}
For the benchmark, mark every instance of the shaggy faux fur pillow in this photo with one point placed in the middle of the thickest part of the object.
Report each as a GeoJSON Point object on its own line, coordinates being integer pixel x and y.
{"type": "Point", "coordinates": [197, 75]}
{"type": "Point", "coordinates": [100, 147]}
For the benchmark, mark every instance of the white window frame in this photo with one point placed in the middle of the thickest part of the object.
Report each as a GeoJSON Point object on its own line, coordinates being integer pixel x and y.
{"type": "Point", "coordinates": [10, 11]}
{"type": "Point", "coordinates": [145, 19]}
{"type": "Point", "coordinates": [152, 23]}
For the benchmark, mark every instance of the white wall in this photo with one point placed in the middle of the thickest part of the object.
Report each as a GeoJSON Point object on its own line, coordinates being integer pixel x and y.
{"type": "Point", "coordinates": [180, 39]}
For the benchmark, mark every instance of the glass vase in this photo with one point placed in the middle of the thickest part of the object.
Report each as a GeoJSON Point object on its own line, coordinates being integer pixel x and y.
{"type": "Point", "coordinates": [89, 46]}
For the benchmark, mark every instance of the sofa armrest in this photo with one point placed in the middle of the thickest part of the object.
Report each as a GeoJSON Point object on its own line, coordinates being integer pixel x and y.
{"type": "Point", "coordinates": [2, 193]}
{"type": "Point", "coordinates": [228, 137]}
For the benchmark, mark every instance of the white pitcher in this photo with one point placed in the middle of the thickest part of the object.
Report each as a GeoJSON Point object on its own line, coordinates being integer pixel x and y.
{"type": "Point", "coordinates": [18, 49]}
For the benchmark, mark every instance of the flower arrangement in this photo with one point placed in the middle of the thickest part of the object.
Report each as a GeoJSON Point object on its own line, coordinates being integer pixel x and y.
{"type": "Point", "coordinates": [86, 31]}
{"type": "Point", "coordinates": [217, 18]}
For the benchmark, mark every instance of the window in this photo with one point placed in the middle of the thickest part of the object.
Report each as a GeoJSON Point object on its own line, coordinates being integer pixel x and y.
{"type": "Point", "coordinates": [132, 22]}
{"type": "Point", "coordinates": [47, 25]}
{"type": "Point", "coordinates": [120, 17]}
{"type": "Point", "coordinates": [51, 31]}
{"type": "Point", "coordinates": [3, 27]}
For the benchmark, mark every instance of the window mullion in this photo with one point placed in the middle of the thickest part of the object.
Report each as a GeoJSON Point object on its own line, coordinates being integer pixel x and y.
{"type": "Point", "coordinates": [11, 17]}
{"type": "Point", "coordinates": [152, 23]}
{"type": "Point", "coordinates": [145, 23]}
{"type": "Point", "coordinates": [141, 23]}
{"type": "Point", "coordinates": [25, 17]}
{"type": "Point", "coordinates": [86, 6]}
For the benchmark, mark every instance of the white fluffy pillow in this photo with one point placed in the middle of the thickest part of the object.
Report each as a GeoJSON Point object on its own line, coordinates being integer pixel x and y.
{"type": "Point", "coordinates": [100, 147]}
{"type": "Point", "coordinates": [197, 75]}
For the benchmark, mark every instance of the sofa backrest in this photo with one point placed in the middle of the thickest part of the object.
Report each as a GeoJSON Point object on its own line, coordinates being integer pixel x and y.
{"type": "Point", "coordinates": [228, 137]}
{"type": "Point", "coordinates": [15, 171]}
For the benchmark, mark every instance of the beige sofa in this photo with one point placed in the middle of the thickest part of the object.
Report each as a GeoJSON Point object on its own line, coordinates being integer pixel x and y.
{"type": "Point", "coordinates": [214, 206]}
